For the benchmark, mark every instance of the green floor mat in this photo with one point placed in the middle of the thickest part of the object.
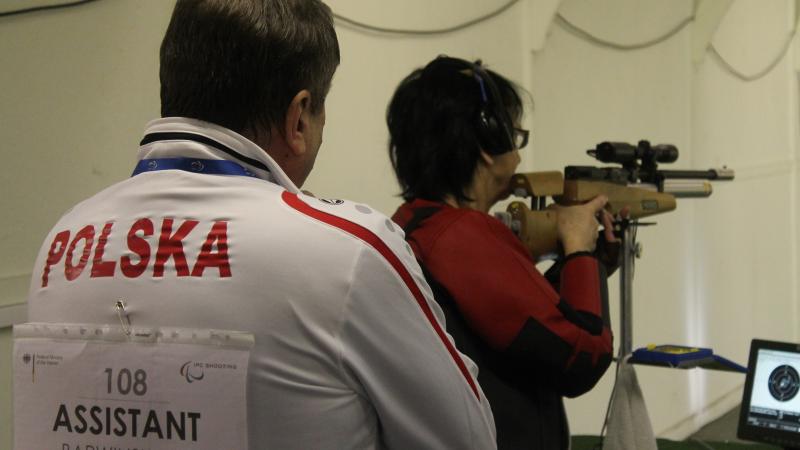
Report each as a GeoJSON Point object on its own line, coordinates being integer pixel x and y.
{"type": "Point", "coordinates": [593, 443]}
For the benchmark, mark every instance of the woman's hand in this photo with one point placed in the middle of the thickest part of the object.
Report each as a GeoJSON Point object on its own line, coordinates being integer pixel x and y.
{"type": "Point", "coordinates": [578, 225]}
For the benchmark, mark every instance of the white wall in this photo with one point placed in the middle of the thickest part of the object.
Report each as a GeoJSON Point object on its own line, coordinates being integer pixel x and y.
{"type": "Point", "coordinates": [76, 88]}
{"type": "Point", "coordinates": [716, 272]}
{"type": "Point", "coordinates": [746, 245]}
{"type": "Point", "coordinates": [354, 161]}
{"type": "Point", "coordinates": [78, 85]}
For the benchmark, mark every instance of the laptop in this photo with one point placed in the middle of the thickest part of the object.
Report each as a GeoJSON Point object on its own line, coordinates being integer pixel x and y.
{"type": "Point", "coordinates": [770, 410]}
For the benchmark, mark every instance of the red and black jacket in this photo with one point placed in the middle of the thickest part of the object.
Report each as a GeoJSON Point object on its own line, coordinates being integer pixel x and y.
{"type": "Point", "coordinates": [533, 341]}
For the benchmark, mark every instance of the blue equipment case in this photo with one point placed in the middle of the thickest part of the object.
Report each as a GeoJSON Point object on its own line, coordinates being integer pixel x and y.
{"type": "Point", "coordinates": [683, 357]}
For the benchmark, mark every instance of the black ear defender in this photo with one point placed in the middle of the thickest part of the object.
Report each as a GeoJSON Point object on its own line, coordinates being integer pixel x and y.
{"type": "Point", "coordinates": [494, 126]}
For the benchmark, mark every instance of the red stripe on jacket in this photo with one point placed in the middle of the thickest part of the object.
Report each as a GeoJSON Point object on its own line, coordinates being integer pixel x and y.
{"type": "Point", "coordinates": [375, 242]}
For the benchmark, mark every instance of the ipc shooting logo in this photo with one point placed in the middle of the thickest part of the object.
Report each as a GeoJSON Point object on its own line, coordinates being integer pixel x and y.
{"type": "Point", "coordinates": [192, 372]}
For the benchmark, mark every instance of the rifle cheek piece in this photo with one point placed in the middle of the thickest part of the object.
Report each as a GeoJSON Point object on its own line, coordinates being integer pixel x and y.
{"type": "Point", "coordinates": [538, 230]}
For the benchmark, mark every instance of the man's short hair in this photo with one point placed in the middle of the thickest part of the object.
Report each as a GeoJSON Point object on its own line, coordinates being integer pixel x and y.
{"type": "Point", "coordinates": [433, 118]}
{"type": "Point", "coordinates": [239, 63]}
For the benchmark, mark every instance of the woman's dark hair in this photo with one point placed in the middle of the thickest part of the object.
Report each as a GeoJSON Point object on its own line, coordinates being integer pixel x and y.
{"type": "Point", "coordinates": [239, 63]}
{"type": "Point", "coordinates": [433, 120]}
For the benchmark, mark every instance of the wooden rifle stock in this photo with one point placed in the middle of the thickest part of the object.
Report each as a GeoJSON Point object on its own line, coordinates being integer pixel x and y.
{"type": "Point", "coordinates": [537, 227]}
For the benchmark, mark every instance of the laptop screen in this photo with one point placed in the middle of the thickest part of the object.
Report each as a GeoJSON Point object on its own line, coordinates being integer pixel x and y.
{"type": "Point", "coordinates": [771, 400]}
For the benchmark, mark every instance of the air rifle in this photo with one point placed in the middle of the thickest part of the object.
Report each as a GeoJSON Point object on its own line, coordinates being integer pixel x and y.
{"type": "Point", "coordinates": [637, 184]}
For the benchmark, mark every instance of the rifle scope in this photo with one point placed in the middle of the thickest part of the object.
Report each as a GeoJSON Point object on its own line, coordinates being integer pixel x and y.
{"type": "Point", "coordinates": [626, 154]}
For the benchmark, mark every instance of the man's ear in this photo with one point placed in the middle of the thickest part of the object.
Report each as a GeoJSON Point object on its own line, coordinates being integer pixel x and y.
{"type": "Point", "coordinates": [296, 125]}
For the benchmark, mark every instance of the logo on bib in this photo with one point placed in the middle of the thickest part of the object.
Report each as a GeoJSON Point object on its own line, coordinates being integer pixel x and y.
{"type": "Point", "coordinates": [190, 375]}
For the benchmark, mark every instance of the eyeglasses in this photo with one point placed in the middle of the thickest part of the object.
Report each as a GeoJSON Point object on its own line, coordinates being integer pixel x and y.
{"type": "Point", "coordinates": [520, 138]}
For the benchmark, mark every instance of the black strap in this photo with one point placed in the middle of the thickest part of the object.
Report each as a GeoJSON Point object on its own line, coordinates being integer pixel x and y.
{"type": "Point", "coordinates": [420, 214]}
{"type": "Point", "coordinates": [182, 136]}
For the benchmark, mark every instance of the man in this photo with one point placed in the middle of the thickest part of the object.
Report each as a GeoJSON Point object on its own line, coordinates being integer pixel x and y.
{"type": "Point", "coordinates": [212, 232]}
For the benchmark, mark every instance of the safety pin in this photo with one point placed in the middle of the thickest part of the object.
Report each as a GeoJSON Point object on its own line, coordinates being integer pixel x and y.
{"type": "Point", "coordinates": [126, 324]}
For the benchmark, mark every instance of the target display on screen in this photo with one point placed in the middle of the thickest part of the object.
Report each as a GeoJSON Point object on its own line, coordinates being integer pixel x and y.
{"type": "Point", "coordinates": [784, 383]}
{"type": "Point", "coordinates": [770, 404]}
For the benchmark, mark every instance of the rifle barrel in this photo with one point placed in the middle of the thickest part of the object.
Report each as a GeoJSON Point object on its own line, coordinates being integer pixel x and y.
{"type": "Point", "coordinates": [710, 174]}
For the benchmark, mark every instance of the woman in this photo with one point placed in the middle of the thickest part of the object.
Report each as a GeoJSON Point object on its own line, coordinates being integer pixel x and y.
{"type": "Point", "coordinates": [455, 142]}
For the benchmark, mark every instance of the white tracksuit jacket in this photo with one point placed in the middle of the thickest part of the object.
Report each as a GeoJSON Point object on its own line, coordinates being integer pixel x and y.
{"type": "Point", "coordinates": [350, 351]}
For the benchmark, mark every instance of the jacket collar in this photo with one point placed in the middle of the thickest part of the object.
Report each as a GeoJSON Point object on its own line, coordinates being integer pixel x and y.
{"type": "Point", "coordinates": [180, 137]}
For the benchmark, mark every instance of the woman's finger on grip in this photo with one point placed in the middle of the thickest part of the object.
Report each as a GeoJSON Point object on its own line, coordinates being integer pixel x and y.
{"type": "Point", "coordinates": [597, 203]}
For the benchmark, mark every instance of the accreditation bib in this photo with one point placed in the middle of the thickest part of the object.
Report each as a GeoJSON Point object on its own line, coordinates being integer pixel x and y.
{"type": "Point", "coordinates": [90, 387]}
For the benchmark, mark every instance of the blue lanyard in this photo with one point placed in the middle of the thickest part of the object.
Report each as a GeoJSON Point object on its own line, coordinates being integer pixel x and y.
{"type": "Point", "coordinates": [206, 166]}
